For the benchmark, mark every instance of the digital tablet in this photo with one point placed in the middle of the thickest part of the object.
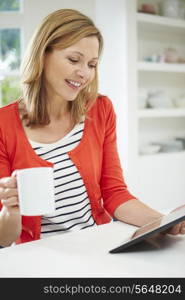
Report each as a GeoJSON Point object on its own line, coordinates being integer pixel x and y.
{"type": "Point", "coordinates": [150, 229]}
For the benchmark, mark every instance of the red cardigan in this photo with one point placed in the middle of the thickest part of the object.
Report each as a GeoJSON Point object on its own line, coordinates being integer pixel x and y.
{"type": "Point", "coordinates": [96, 158]}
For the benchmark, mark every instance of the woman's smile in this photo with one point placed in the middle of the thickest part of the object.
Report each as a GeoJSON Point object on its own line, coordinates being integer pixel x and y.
{"type": "Point", "coordinates": [73, 84]}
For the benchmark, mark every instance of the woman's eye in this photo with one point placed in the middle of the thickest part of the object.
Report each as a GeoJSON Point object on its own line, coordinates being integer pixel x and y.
{"type": "Point", "coordinates": [92, 66]}
{"type": "Point", "coordinates": [73, 60]}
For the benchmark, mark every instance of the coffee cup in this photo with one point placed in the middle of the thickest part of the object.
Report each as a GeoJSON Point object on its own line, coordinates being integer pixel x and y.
{"type": "Point", "coordinates": [36, 191]}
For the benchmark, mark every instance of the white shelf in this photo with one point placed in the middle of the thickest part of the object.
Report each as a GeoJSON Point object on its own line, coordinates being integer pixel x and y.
{"type": "Point", "coordinates": [161, 67]}
{"type": "Point", "coordinates": [160, 21]}
{"type": "Point", "coordinates": [163, 155]}
{"type": "Point", "coordinates": [161, 113]}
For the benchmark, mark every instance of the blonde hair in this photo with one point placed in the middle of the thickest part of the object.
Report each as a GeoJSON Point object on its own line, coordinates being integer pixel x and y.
{"type": "Point", "coordinates": [60, 29]}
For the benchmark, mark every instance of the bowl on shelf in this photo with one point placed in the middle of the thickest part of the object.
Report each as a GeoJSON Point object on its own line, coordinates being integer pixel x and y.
{"type": "Point", "coordinates": [158, 99]}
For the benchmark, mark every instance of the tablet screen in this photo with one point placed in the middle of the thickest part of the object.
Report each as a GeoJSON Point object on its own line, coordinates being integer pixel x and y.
{"type": "Point", "coordinates": [150, 229]}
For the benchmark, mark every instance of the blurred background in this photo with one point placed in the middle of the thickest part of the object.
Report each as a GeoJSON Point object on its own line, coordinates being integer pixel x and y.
{"type": "Point", "coordinates": [142, 70]}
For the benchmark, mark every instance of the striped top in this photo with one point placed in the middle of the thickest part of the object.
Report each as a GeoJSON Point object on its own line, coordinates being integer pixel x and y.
{"type": "Point", "coordinates": [72, 206]}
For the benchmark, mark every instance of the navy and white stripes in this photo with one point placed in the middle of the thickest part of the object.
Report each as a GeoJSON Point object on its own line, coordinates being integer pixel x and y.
{"type": "Point", "coordinates": [73, 210]}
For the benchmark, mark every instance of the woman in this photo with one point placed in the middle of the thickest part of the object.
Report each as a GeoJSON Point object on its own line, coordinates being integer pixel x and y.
{"type": "Point", "coordinates": [61, 121]}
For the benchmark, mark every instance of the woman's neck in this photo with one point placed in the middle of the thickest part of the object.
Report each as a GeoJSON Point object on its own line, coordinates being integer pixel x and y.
{"type": "Point", "coordinates": [58, 109]}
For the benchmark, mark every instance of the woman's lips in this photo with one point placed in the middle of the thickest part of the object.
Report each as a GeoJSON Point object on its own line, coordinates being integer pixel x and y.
{"type": "Point", "coordinates": [73, 84]}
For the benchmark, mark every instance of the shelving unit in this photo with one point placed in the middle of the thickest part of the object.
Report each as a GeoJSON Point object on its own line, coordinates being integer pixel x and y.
{"type": "Point", "coordinates": [158, 178]}
{"type": "Point", "coordinates": [156, 33]}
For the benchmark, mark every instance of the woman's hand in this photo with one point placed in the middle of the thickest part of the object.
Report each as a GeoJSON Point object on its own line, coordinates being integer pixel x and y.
{"type": "Point", "coordinates": [175, 230]}
{"type": "Point", "coordinates": [10, 218]}
{"type": "Point", "coordinates": [9, 194]}
{"type": "Point", "coordinates": [178, 228]}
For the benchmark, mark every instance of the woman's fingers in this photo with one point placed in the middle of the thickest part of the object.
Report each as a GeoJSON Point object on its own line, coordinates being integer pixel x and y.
{"type": "Point", "coordinates": [8, 187]}
{"type": "Point", "coordinates": [8, 182]}
{"type": "Point", "coordinates": [8, 192]}
{"type": "Point", "coordinates": [182, 228]}
{"type": "Point", "coordinates": [13, 201]}
{"type": "Point", "coordinates": [177, 229]}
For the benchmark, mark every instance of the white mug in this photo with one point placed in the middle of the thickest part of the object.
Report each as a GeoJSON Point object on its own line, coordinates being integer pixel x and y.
{"type": "Point", "coordinates": [36, 191]}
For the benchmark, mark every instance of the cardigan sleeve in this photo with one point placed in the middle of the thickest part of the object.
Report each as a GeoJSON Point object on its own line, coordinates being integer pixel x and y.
{"type": "Point", "coordinates": [113, 187]}
{"type": "Point", "coordinates": [4, 162]}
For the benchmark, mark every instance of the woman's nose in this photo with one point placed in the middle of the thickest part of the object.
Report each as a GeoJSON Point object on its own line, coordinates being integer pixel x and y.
{"type": "Point", "coordinates": [83, 72]}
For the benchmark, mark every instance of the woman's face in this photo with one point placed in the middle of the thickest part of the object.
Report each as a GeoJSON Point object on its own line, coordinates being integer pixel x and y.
{"type": "Point", "coordinates": [68, 71]}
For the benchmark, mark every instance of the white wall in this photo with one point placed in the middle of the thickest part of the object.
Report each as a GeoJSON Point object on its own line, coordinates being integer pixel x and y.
{"type": "Point", "coordinates": [36, 10]}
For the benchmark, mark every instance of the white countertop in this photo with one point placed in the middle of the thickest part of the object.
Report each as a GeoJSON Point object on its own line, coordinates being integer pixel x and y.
{"type": "Point", "coordinates": [85, 253]}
